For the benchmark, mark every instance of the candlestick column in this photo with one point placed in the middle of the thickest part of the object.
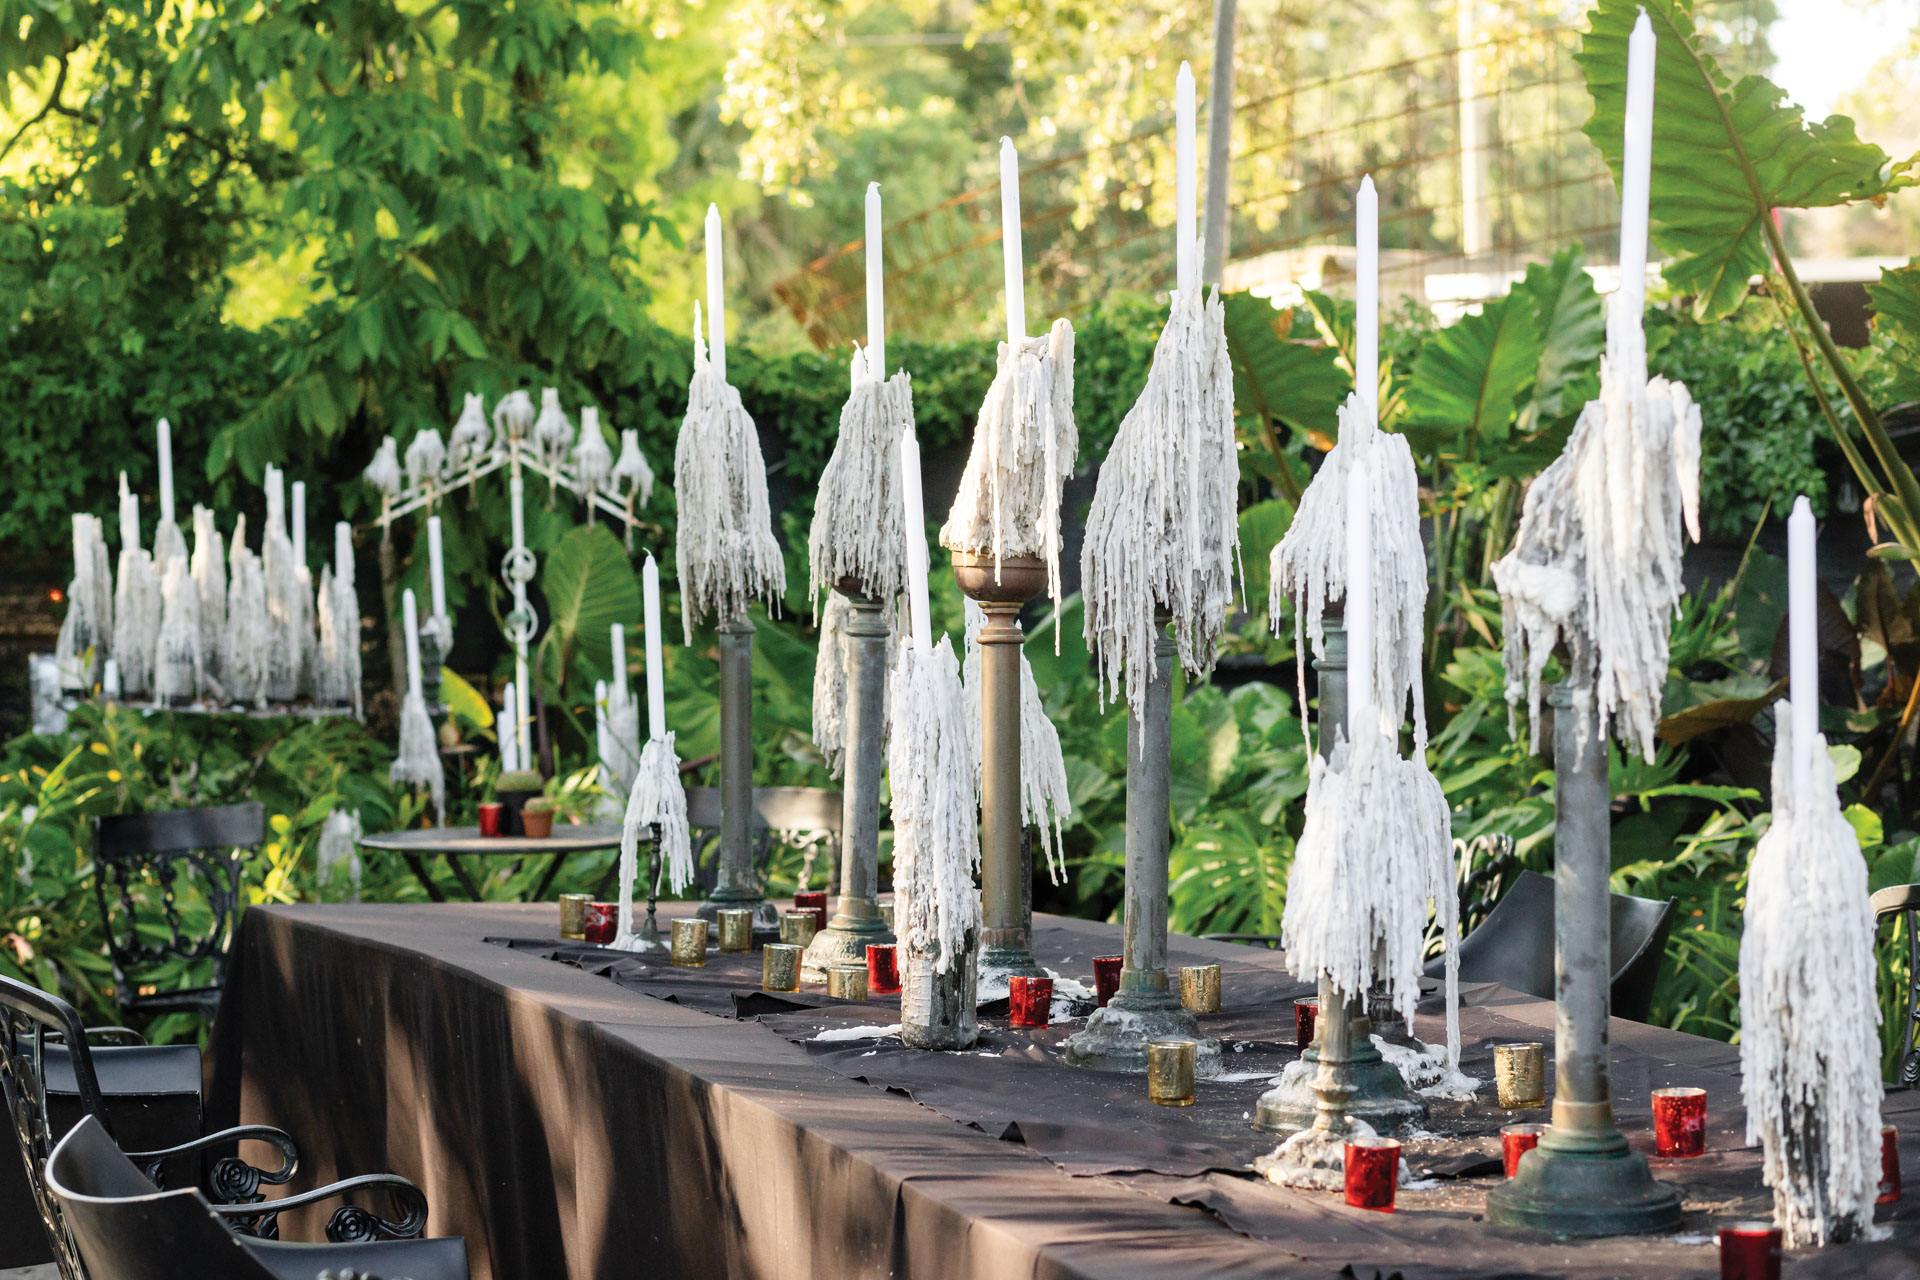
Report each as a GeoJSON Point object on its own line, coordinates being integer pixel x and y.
{"type": "Point", "coordinates": [857, 922]}
{"type": "Point", "coordinates": [1582, 1180]}
{"type": "Point", "coordinates": [1006, 856]}
{"type": "Point", "coordinates": [737, 881]}
{"type": "Point", "coordinates": [1146, 1007]}
{"type": "Point", "coordinates": [1375, 1090]}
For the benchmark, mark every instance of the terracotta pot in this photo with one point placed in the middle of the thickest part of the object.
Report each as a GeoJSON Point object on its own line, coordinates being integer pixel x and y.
{"type": "Point", "coordinates": [536, 826]}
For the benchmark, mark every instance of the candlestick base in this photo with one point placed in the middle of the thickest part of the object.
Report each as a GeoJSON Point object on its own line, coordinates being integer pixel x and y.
{"type": "Point", "coordinates": [1380, 1095]}
{"type": "Point", "coordinates": [766, 915]}
{"type": "Point", "coordinates": [1584, 1183]}
{"type": "Point", "coordinates": [647, 940]}
{"type": "Point", "coordinates": [1005, 955]}
{"type": "Point", "coordinates": [856, 925]}
{"type": "Point", "coordinates": [1116, 1037]}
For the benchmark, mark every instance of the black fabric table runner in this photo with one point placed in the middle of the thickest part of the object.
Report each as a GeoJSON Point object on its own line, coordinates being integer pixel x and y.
{"type": "Point", "coordinates": [566, 1125]}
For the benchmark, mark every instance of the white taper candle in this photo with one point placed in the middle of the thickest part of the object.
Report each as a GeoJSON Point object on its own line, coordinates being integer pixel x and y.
{"type": "Point", "coordinates": [436, 567]}
{"type": "Point", "coordinates": [517, 499]}
{"type": "Point", "coordinates": [1010, 242]}
{"type": "Point", "coordinates": [656, 676]}
{"type": "Point", "coordinates": [876, 290]}
{"type": "Point", "coordinates": [299, 524]}
{"type": "Point", "coordinates": [410, 617]}
{"type": "Point", "coordinates": [856, 370]}
{"type": "Point", "coordinates": [164, 442]}
{"type": "Point", "coordinates": [617, 646]}
{"type": "Point", "coordinates": [129, 516]}
{"type": "Point", "coordinates": [716, 295]}
{"type": "Point", "coordinates": [1359, 607]}
{"type": "Point", "coordinates": [1803, 632]}
{"type": "Point", "coordinates": [342, 550]}
{"type": "Point", "coordinates": [1366, 296]}
{"type": "Point", "coordinates": [506, 731]}
{"type": "Point", "coordinates": [913, 508]}
{"type": "Point", "coordinates": [1636, 165]}
{"type": "Point", "coordinates": [1186, 234]}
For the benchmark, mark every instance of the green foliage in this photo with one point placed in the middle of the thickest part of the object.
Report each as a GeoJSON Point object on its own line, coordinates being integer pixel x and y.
{"type": "Point", "coordinates": [1895, 299]}
{"type": "Point", "coordinates": [589, 584]}
{"type": "Point", "coordinates": [1725, 154]}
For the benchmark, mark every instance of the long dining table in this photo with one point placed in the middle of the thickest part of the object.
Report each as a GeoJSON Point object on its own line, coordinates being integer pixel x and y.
{"type": "Point", "coordinates": [578, 1112]}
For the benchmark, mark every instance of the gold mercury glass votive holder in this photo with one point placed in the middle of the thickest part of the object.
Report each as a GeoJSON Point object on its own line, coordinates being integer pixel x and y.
{"type": "Point", "coordinates": [847, 982]}
{"type": "Point", "coordinates": [1520, 1074]}
{"type": "Point", "coordinates": [797, 927]}
{"type": "Point", "coordinates": [1200, 987]}
{"type": "Point", "coordinates": [736, 929]}
{"type": "Point", "coordinates": [780, 966]}
{"type": "Point", "coordinates": [689, 944]}
{"type": "Point", "coordinates": [1170, 1072]}
{"type": "Point", "coordinates": [573, 915]}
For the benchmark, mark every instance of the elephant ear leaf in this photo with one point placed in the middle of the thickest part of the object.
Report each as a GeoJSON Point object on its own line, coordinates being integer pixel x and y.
{"type": "Point", "coordinates": [589, 585]}
{"type": "Point", "coordinates": [1896, 314]}
{"type": "Point", "coordinates": [1725, 154]}
{"type": "Point", "coordinates": [1276, 378]}
{"type": "Point", "coordinates": [1469, 375]}
{"type": "Point", "coordinates": [1572, 324]}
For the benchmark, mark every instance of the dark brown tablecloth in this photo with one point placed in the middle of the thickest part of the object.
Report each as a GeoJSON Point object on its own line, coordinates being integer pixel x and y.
{"type": "Point", "coordinates": [579, 1123]}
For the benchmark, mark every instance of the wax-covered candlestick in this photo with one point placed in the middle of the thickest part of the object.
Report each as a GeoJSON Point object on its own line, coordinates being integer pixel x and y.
{"type": "Point", "coordinates": [876, 284]}
{"type": "Point", "coordinates": [1359, 609]}
{"type": "Point", "coordinates": [436, 568]}
{"type": "Point", "coordinates": [913, 509]}
{"type": "Point", "coordinates": [410, 618]}
{"type": "Point", "coordinates": [299, 524]}
{"type": "Point", "coordinates": [1636, 165]}
{"type": "Point", "coordinates": [1366, 296]}
{"type": "Point", "coordinates": [656, 676]}
{"type": "Point", "coordinates": [164, 434]}
{"type": "Point", "coordinates": [1186, 234]}
{"type": "Point", "coordinates": [716, 296]}
{"type": "Point", "coordinates": [1010, 241]}
{"type": "Point", "coordinates": [1803, 668]}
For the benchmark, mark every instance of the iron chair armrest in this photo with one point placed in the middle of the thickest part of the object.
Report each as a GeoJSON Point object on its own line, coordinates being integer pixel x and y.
{"type": "Point", "coordinates": [118, 1037]}
{"type": "Point", "coordinates": [233, 1181]}
{"type": "Point", "coordinates": [349, 1223]}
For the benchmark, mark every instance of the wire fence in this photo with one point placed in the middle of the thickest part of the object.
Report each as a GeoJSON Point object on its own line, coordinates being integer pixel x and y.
{"type": "Point", "coordinates": [1480, 161]}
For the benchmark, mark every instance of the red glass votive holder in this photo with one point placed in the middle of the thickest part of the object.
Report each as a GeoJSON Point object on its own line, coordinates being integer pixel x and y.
{"type": "Point", "coordinates": [1106, 978]}
{"type": "Point", "coordinates": [814, 900]}
{"type": "Point", "coordinates": [603, 921]}
{"type": "Point", "coordinates": [1750, 1251]}
{"type": "Point", "coordinates": [1029, 1001]}
{"type": "Point", "coordinates": [1889, 1165]}
{"type": "Point", "coordinates": [883, 969]}
{"type": "Point", "coordinates": [1373, 1173]}
{"type": "Point", "coordinates": [1679, 1121]}
{"type": "Point", "coordinates": [1305, 1014]}
{"type": "Point", "coordinates": [491, 814]}
{"type": "Point", "coordinates": [1515, 1141]}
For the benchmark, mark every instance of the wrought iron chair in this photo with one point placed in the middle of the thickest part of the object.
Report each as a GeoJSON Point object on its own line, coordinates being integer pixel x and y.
{"type": "Point", "coordinates": [51, 1078]}
{"type": "Point", "coordinates": [125, 1228]}
{"type": "Point", "coordinates": [142, 862]}
{"type": "Point", "coordinates": [1514, 945]}
{"type": "Point", "coordinates": [1904, 900]}
{"type": "Point", "coordinates": [803, 818]}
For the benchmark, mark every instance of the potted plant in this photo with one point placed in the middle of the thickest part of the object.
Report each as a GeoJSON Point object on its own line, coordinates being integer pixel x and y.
{"type": "Point", "coordinates": [536, 818]}
{"type": "Point", "coordinates": [515, 788]}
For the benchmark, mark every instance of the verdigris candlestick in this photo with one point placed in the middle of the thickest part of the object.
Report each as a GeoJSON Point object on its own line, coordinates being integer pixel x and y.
{"type": "Point", "coordinates": [736, 882]}
{"type": "Point", "coordinates": [1006, 858]}
{"type": "Point", "coordinates": [1374, 1090]}
{"type": "Point", "coordinates": [856, 922]}
{"type": "Point", "coordinates": [1146, 1006]}
{"type": "Point", "coordinates": [1582, 1180]}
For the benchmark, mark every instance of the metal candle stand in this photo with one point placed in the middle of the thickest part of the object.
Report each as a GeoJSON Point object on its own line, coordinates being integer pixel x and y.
{"type": "Point", "coordinates": [1582, 1180]}
{"type": "Point", "coordinates": [1006, 858]}
{"type": "Point", "coordinates": [1363, 1084]}
{"type": "Point", "coordinates": [1146, 1008]}
{"type": "Point", "coordinates": [648, 939]}
{"type": "Point", "coordinates": [736, 883]}
{"type": "Point", "coordinates": [856, 922]}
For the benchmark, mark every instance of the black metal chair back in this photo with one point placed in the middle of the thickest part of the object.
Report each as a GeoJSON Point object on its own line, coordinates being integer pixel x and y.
{"type": "Point", "coordinates": [29, 1019]}
{"type": "Point", "coordinates": [1904, 900]}
{"type": "Point", "coordinates": [803, 818]}
{"type": "Point", "coordinates": [144, 866]}
{"type": "Point", "coordinates": [1514, 945]}
{"type": "Point", "coordinates": [127, 1229]}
